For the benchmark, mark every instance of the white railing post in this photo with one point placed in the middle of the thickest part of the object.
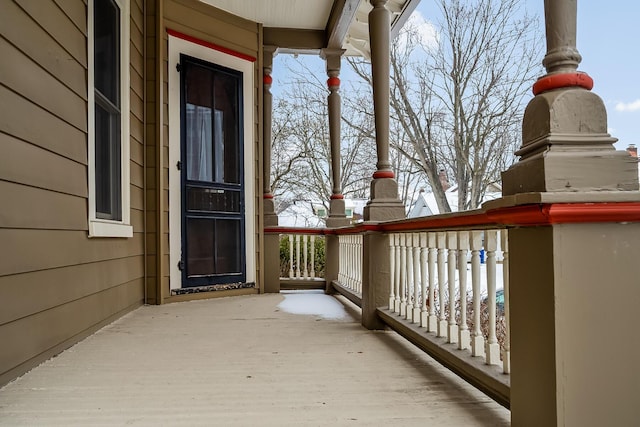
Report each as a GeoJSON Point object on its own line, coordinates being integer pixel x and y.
{"type": "Point", "coordinates": [341, 259]}
{"type": "Point", "coordinates": [492, 348]}
{"type": "Point", "coordinates": [477, 339]}
{"type": "Point", "coordinates": [291, 260]}
{"type": "Point", "coordinates": [417, 283]}
{"type": "Point", "coordinates": [506, 353]}
{"type": "Point", "coordinates": [452, 244]}
{"type": "Point", "coordinates": [398, 276]}
{"type": "Point", "coordinates": [305, 250]}
{"type": "Point", "coordinates": [313, 256]}
{"type": "Point", "coordinates": [441, 239]}
{"type": "Point", "coordinates": [424, 284]}
{"type": "Point", "coordinates": [432, 323]}
{"type": "Point", "coordinates": [464, 338]}
{"type": "Point", "coordinates": [350, 266]}
{"type": "Point", "coordinates": [410, 284]}
{"type": "Point", "coordinates": [360, 254]}
{"type": "Point", "coordinates": [297, 239]}
{"type": "Point", "coordinates": [392, 271]}
{"type": "Point", "coordinates": [403, 276]}
{"type": "Point", "coordinates": [347, 262]}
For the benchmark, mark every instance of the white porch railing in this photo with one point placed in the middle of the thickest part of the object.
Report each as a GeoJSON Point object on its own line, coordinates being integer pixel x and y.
{"type": "Point", "coordinates": [430, 287]}
{"type": "Point", "coordinates": [350, 262]}
{"type": "Point", "coordinates": [302, 258]}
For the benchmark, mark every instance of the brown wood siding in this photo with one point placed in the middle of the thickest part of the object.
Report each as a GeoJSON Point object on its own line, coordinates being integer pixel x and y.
{"type": "Point", "coordinates": [199, 20]}
{"type": "Point", "coordinates": [56, 284]}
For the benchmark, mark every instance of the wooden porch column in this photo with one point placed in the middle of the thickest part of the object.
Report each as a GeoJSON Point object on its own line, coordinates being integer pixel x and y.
{"type": "Point", "coordinates": [384, 203]}
{"type": "Point", "coordinates": [337, 217]}
{"type": "Point", "coordinates": [271, 241]}
{"type": "Point", "coordinates": [270, 217]}
{"type": "Point", "coordinates": [574, 287]}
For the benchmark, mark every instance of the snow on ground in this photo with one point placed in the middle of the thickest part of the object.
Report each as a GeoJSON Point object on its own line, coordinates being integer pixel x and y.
{"type": "Point", "coordinates": [313, 303]}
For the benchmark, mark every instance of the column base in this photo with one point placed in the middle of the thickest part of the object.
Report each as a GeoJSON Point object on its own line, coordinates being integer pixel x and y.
{"type": "Point", "coordinates": [566, 148]}
{"type": "Point", "coordinates": [493, 353]}
{"type": "Point", "coordinates": [416, 315]}
{"type": "Point", "coordinates": [569, 171]}
{"type": "Point", "coordinates": [337, 216]}
{"type": "Point", "coordinates": [432, 323]}
{"type": "Point", "coordinates": [477, 346]}
{"type": "Point", "coordinates": [442, 328]}
{"type": "Point", "coordinates": [464, 339]}
{"type": "Point", "coordinates": [384, 204]}
{"type": "Point", "coordinates": [452, 334]}
{"type": "Point", "coordinates": [270, 217]}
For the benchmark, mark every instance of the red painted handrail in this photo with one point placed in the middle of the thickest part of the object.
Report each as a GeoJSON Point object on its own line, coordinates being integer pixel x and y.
{"type": "Point", "coordinates": [517, 216]}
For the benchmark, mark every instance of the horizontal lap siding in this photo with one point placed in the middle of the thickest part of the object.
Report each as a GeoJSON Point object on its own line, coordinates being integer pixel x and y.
{"type": "Point", "coordinates": [204, 22]}
{"type": "Point", "coordinates": [56, 284]}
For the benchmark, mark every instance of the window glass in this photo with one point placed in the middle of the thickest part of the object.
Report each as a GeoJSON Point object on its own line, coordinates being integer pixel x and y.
{"type": "Point", "coordinates": [107, 50]}
{"type": "Point", "coordinates": [107, 110]}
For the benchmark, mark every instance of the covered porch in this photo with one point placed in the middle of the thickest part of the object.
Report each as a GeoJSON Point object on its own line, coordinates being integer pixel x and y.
{"type": "Point", "coordinates": [245, 361]}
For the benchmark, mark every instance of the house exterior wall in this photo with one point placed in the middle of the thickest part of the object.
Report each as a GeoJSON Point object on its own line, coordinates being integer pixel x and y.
{"type": "Point", "coordinates": [57, 285]}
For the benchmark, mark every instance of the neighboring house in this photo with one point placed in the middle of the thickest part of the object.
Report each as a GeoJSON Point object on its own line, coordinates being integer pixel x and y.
{"type": "Point", "coordinates": [425, 204]}
{"type": "Point", "coordinates": [310, 214]}
{"type": "Point", "coordinates": [133, 152]}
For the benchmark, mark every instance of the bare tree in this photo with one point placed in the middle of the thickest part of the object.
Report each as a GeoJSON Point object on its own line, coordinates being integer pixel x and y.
{"type": "Point", "coordinates": [301, 156]}
{"type": "Point", "coordinates": [459, 98]}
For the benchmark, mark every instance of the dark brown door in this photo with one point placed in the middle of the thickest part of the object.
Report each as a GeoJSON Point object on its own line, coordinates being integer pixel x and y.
{"type": "Point", "coordinates": [213, 242]}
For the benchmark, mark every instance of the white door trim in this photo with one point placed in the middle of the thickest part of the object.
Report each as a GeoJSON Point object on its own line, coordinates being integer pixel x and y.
{"type": "Point", "coordinates": [176, 47]}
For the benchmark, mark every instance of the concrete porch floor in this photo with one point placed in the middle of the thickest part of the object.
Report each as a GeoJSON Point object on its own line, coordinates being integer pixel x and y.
{"type": "Point", "coordinates": [242, 361]}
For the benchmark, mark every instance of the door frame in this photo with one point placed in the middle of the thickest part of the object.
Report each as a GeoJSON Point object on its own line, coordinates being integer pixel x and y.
{"type": "Point", "coordinates": [201, 51]}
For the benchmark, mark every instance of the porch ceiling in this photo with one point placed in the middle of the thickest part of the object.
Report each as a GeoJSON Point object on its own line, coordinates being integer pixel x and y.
{"type": "Point", "coordinates": [303, 26]}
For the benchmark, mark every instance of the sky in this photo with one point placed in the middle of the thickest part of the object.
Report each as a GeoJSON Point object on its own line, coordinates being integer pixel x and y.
{"type": "Point", "coordinates": [609, 41]}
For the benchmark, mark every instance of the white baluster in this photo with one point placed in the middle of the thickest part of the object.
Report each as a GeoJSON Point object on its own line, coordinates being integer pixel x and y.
{"type": "Point", "coordinates": [424, 284]}
{"type": "Point", "coordinates": [506, 353]}
{"type": "Point", "coordinates": [297, 239]}
{"type": "Point", "coordinates": [403, 276]}
{"type": "Point", "coordinates": [464, 338]}
{"type": "Point", "coordinates": [398, 277]}
{"type": "Point", "coordinates": [313, 256]}
{"type": "Point", "coordinates": [352, 265]}
{"type": "Point", "coordinates": [417, 283]}
{"type": "Point", "coordinates": [360, 264]}
{"type": "Point", "coordinates": [340, 260]}
{"type": "Point", "coordinates": [492, 348]}
{"type": "Point", "coordinates": [432, 323]}
{"type": "Point", "coordinates": [347, 252]}
{"type": "Point", "coordinates": [305, 251]}
{"type": "Point", "coordinates": [392, 270]}
{"type": "Point", "coordinates": [410, 284]}
{"type": "Point", "coordinates": [291, 261]}
{"type": "Point", "coordinates": [452, 245]}
{"type": "Point", "coordinates": [477, 339]}
{"type": "Point", "coordinates": [441, 240]}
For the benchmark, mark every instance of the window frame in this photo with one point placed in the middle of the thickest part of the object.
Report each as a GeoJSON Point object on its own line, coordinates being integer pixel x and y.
{"type": "Point", "coordinates": [99, 227]}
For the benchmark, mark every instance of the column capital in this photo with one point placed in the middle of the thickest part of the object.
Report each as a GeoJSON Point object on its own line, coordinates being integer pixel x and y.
{"type": "Point", "coordinates": [268, 53]}
{"type": "Point", "coordinates": [333, 59]}
{"type": "Point", "coordinates": [378, 3]}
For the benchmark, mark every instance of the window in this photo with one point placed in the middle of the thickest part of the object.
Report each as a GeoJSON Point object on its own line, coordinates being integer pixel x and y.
{"type": "Point", "coordinates": [108, 111]}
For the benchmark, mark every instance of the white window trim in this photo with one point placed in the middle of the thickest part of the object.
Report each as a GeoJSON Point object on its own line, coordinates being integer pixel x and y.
{"type": "Point", "coordinates": [101, 227]}
{"type": "Point", "coordinates": [176, 47]}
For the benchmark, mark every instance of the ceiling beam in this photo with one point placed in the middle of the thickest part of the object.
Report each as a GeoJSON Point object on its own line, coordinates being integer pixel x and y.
{"type": "Point", "coordinates": [294, 39]}
{"type": "Point", "coordinates": [408, 7]}
{"type": "Point", "coordinates": [340, 18]}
